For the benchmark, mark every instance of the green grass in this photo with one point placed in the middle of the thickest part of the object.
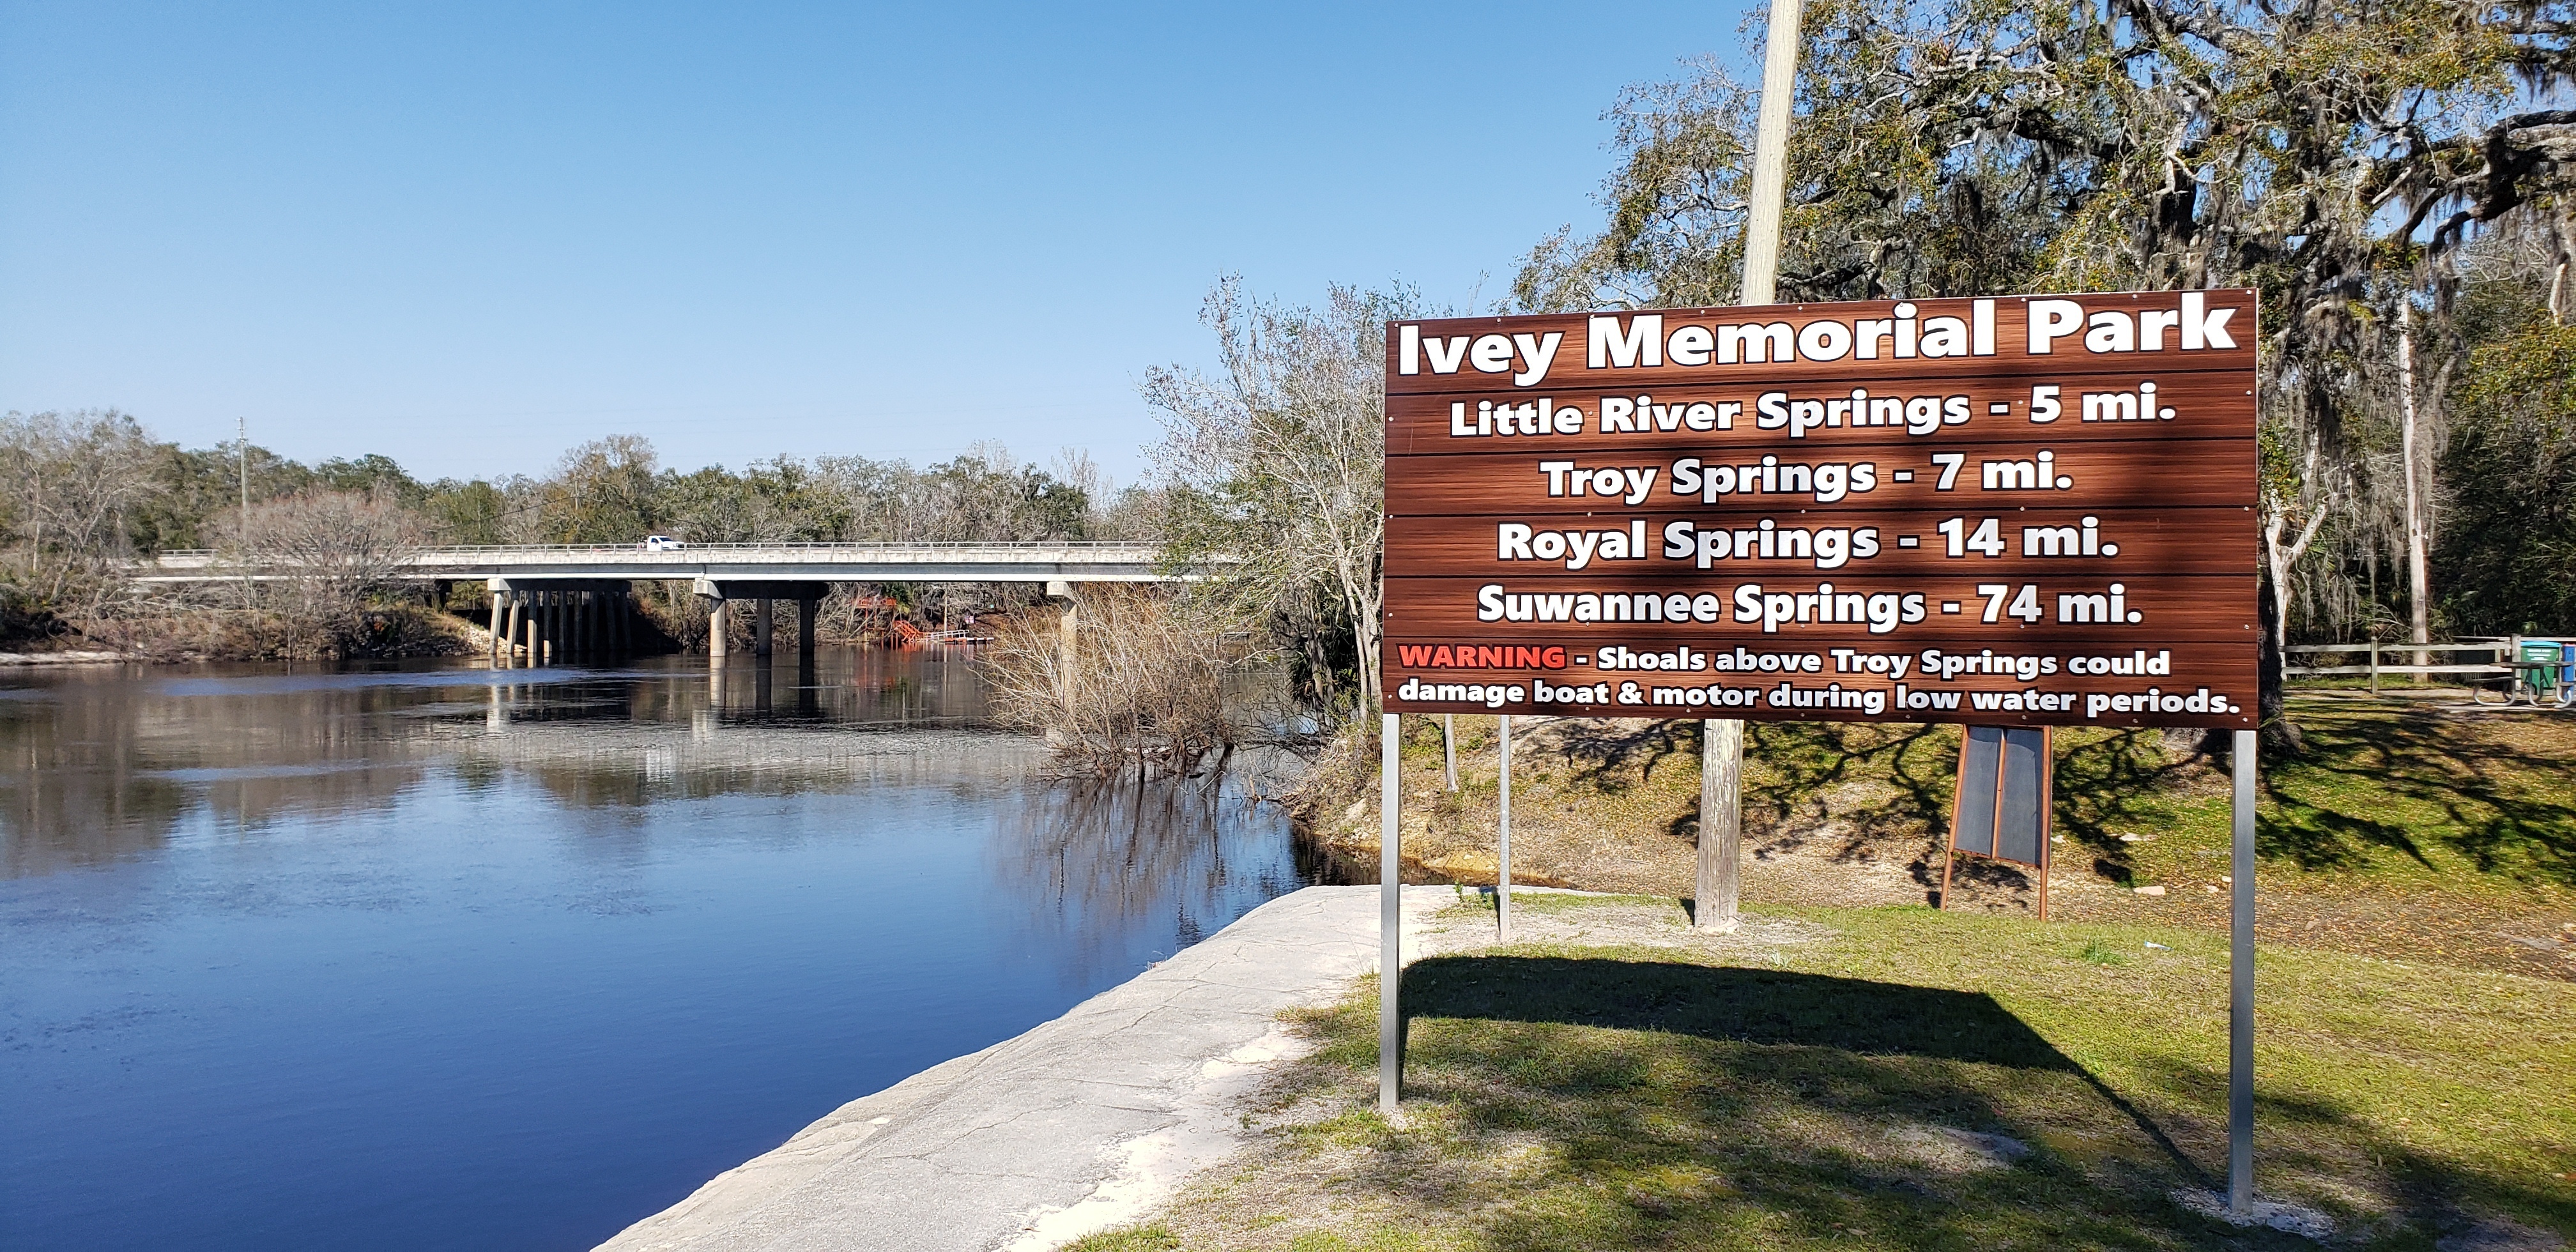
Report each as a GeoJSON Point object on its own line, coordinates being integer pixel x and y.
{"type": "Point", "coordinates": [2399, 830]}
{"type": "Point", "coordinates": [2403, 799]}
{"type": "Point", "coordinates": [2100, 952]}
{"type": "Point", "coordinates": [1790, 1090]}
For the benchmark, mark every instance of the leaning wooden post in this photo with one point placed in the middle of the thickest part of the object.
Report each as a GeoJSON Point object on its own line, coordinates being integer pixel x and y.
{"type": "Point", "coordinates": [1390, 922]}
{"type": "Point", "coordinates": [2240, 988]}
{"type": "Point", "coordinates": [1721, 824]}
{"type": "Point", "coordinates": [1503, 843]}
{"type": "Point", "coordinates": [1449, 749]}
{"type": "Point", "coordinates": [1770, 153]}
{"type": "Point", "coordinates": [1722, 739]}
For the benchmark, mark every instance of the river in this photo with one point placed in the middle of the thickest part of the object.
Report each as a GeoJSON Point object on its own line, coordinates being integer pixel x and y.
{"type": "Point", "coordinates": [434, 956]}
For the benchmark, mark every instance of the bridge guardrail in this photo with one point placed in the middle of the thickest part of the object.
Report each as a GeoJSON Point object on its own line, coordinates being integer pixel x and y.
{"type": "Point", "coordinates": [1095, 545]}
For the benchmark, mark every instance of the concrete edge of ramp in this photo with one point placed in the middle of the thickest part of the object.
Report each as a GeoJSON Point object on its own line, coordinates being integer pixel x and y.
{"type": "Point", "coordinates": [1074, 1126]}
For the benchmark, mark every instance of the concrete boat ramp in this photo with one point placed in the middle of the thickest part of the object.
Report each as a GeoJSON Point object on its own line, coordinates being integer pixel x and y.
{"type": "Point", "coordinates": [1080, 1124]}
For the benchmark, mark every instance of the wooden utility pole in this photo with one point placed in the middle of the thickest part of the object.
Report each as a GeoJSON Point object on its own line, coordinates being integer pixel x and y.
{"type": "Point", "coordinates": [1721, 823]}
{"type": "Point", "coordinates": [1721, 756]}
{"type": "Point", "coordinates": [1771, 154]}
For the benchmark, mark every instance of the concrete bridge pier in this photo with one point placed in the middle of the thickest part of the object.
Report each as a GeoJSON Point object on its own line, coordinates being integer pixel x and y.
{"type": "Point", "coordinates": [557, 621]}
{"type": "Point", "coordinates": [805, 606]}
{"type": "Point", "coordinates": [718, 622]}
{"type": "Point", "coordinates": [762, 594]}
{"type": "Point", "coordinates": [1066, 657]}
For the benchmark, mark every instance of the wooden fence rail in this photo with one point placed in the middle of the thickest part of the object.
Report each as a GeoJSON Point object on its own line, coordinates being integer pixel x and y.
{"type": "Point", "coordinates": [2501, 653]}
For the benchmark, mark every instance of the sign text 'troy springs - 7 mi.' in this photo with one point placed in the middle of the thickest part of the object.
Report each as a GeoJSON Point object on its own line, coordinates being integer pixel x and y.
{"type": "Point", "coordinates": [2021, 510]}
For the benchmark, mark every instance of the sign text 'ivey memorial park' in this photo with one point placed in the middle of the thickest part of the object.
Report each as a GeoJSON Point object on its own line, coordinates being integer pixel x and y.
{"type": "Point", "coordinates": [2016, 510]}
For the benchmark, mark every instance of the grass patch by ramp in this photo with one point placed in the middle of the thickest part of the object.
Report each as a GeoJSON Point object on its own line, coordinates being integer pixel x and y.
{"type": "Point", "coordinates": [2403, 831]}
{"type": "Point", "coordinates": [1895, 1078]}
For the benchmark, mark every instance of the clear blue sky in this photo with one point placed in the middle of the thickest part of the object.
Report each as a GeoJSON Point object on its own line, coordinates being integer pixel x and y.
{"type": "Point", "coordinates": [471, 235]}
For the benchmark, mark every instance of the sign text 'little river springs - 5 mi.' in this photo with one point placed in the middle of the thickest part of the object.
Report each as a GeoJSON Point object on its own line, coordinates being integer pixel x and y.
{"type": "Point", "coordinates": [2017, 510]}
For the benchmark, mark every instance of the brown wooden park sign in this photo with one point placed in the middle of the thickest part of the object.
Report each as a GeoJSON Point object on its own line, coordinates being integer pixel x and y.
{"type": "Point", "coordinates": [2012, 512]}
{"type": "Point", "coordinates": [2025, 510]}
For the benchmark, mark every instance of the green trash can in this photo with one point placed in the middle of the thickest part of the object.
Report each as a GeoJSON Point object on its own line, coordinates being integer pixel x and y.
{"type": "Point", "coordinates": [2540, 661]}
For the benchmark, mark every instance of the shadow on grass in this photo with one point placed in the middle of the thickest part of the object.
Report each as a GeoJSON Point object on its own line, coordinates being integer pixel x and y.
{"type": "Point", "coordinates": [1605, 753]}
{"type": "Point", "coordinates": [2331, 803]}
{"type": "Point", "coordinates": [1759, 1108]}
{"type": "Point", "coordinates": [1850, 1017]}
{"type": "Point", "coordinates": [2123, 781]}
{"type": "Point", "coordinates": [1766, 1007]}
{"type": "Point", "coordinates": [1754, 1108]}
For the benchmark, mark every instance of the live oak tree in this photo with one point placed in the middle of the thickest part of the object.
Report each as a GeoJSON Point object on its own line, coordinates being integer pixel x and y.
{"type": "Point", "coordinates": [2337, 155]}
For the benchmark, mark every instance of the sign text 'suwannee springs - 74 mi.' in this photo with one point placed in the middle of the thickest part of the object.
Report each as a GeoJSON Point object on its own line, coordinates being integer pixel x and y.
{"type": "Point", "coordinates": [2016, 510]}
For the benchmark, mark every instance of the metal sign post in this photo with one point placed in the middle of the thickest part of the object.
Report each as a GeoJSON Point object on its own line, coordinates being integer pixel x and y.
{"type": "Point", "coordinates": [2240, 987]}
{"type": "Point", "coordinates": [1503, 845]}
{"type": "Point", "coordinates": [1390, 922]}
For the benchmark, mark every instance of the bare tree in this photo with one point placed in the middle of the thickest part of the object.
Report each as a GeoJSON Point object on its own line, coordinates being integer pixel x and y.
{"type": "Point", "coordinates": [71, 481]}
{"type": "Point", "coordinates": [1279, 459]}
{"type": "Point", "coordinates": [323, 555]}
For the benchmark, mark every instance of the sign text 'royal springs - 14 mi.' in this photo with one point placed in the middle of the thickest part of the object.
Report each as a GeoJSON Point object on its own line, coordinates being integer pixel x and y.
{"type": "Point", "coordinates": [2019, 510]}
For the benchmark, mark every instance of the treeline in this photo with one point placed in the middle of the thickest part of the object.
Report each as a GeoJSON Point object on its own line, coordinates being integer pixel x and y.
{"type": "Point", "coordinates": [88, 494]}
{"type": "Point", "coordinates": [2391, 175]}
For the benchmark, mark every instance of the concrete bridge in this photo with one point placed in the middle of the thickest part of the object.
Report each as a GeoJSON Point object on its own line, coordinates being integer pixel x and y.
{"type": "Point", "coordinates": [723, 562]}
{"type": "Point", "coordinates": [562, 602]}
